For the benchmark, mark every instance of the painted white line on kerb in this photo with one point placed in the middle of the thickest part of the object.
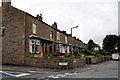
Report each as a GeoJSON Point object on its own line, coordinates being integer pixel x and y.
{"type": "Point", "coordinates": [23, 74]}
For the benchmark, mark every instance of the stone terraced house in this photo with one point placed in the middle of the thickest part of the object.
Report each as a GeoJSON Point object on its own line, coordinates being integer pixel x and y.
{"type": "Point", "coordinates": [25, 36]}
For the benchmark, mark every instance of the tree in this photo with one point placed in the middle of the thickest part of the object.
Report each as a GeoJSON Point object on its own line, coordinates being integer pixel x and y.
{"type": "Point", "coordinates": [117, 45]}
{"type": "Point", "coordinates": [91, 45]}
{"type": "Point", "coordinates": [109, 43]}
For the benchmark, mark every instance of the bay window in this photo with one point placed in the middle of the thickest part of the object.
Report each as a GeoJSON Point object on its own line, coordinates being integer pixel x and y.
{"type": "Point", "coordinates": [37, 46]}
{"type": "Point", "coordinates": [32, 46]}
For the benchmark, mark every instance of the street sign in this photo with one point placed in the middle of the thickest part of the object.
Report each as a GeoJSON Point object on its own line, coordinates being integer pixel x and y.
{"type": "Point", "coordinates": [63, 63]}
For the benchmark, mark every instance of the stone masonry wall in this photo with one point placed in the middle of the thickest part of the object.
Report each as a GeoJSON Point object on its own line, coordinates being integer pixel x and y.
{"type": "Point", "coordinates": [13, 38]}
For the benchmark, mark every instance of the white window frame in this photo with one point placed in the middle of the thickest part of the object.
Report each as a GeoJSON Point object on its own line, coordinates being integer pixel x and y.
{"type": "Point", "coordinates": [65, 39]}
{"type": "Point", "coordinates": [34, 28]}
{"type": "Point", "coordinates": [38, 44]}
{"type": "Point", "coordinates": [58, 36]}
{"type": "Point", "coordinates": [30, 46]}
{"type": "Point", "coordinates": [51, 34]}
{"type": "Point", "coordinates": [2, 29]}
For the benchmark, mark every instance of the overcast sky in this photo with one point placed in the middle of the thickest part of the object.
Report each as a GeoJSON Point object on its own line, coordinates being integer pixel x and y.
{"type": "Point", "coordinates": [95, 18]}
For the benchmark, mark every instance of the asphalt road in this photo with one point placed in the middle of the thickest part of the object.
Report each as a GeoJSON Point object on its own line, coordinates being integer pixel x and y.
{"type": "Point", "coordinates": [102, 70]}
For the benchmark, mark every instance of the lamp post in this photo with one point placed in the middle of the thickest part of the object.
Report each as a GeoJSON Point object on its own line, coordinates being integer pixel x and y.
{"type": "Point", "coordinates": [71, 36]}
{"type": "Point", "coordinates": [73, 28]}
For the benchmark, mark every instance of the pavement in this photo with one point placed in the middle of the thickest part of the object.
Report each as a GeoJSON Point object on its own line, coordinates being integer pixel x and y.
{"type": "Point", "coordinates": [48, 70]}
{"type": "Point", "coordinates": [105, 69]}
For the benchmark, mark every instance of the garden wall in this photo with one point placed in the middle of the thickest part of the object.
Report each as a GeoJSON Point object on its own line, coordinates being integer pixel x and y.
{"type": "Point", "coordinates": [55, 62]}
{"type": "Point", "coordinates": [97, 59]}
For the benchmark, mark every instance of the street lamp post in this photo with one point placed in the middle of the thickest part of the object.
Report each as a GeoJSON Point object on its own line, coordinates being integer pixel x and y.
{"type": "Point", "coordinates": [72, 28]}
{"type": "Point", "coordinates": [71, 36]}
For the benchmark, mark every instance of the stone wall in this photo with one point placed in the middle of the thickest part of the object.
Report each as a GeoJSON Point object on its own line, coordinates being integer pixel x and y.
{"type": "Point", "coordinates": [97, 59]}
{"type": "Point", "coordinates": [13, 39]}
{"type": "Point", "coordinates": [54, 62]}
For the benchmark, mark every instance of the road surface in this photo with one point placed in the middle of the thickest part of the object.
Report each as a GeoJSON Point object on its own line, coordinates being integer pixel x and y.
{"type": "Point", "coordinates": [107, 69]}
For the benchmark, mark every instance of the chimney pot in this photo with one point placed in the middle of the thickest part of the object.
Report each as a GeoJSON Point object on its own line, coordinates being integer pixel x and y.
{"type": "Point", "coordinates": [39, 17]}
{"type": "Point", "coordinates": [54, 25]}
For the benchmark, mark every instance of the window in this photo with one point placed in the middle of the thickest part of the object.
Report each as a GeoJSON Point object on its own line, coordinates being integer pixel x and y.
{"type": "Point", "coordinates": [70, 49]}
{"type": "Point", "coordinates": [60, 48]}
{"type": "Point", "coordinates": [45, 47]}
{"type": "Point", "coordinates": [54, 48]}
{"type": "Point", "coordinates": [2, 30]}
{"type": "Point", "coordinates": [32, 46]}
{"type": "Point", "coordinates": [34, 28]}
{"type": "Point", "coordinates": [58, 36]}
{"type": "Point", "coordinates": [57, 48]}
{"type": "Point", "coordinates": [65, 39]}
{"type": "Point", "coordinates": [37, 46]}
{"type": "Point", "coordinates": [65, 49]}
{"type": "Point", "coordinates": [50, 48]}
{"type": "Point", "coordinates": [51, 35]}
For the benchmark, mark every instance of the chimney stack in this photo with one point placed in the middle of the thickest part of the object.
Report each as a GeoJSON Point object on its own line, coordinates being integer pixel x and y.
{"type": "Point", "coordinates": [6, 2]}
{"type": "Point", "coordinates": [40, 17]}
{"type": "Point", "coordinates": [54, 25]}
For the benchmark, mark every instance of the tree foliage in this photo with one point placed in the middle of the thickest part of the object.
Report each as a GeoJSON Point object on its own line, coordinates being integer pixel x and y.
{"type": "Point", "coordinates": [92, 45]}
{"type": "Point", "coordinates": [110, 42]}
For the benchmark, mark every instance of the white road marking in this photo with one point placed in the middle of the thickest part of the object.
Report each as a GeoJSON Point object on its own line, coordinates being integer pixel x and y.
{"type": "Point", "coordinates": [74, 73]}
{"type": "Point", "coordinates": [61, 75]}
{"type": "Point", "coordinates": [70, 74]}
{"type": "Point", "coordinates": [22, 74]}
{"type": "Point", "coordinates": [51, 76]}
{"type": "Point", "coordinates": [66, 73]}
{"type": "Point", "coordinates": [55, 77]}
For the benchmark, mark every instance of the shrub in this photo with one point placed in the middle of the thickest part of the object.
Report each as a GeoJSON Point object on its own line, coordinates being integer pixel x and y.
{"type": "Point", "coordinates": [98, 55]}
{"type": "Point", "coordinates": [93, 53]}
{"type": "Point", "coordinates": [49, 56]}
{"type": "Point", "coordinates": [87, 52]}
{"type": "Point", "coordinates": [68, 55]}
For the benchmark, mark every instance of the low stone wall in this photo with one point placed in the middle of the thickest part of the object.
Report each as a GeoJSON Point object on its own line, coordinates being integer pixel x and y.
{"type": "Point", "coordinates": [97, 59]}
{"type": "Point", "coordinates": [54, 62]}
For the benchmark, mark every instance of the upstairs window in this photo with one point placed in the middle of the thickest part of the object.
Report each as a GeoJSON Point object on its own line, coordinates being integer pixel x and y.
{"type": "Point", "coordinates": [65, 39]}
{"type": "Point", "coordinates": [32, 46]}
{"type": "Point", "coordinates": [34, 28]}
{"type": "Point", "coordinates": [37, 46]}
{"type": "Point", "coordinates": [51, 35]}
{"type": "Point", "coordinates": [2, 30]}
{"type": "Point", "coordinates": [58, 36]}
